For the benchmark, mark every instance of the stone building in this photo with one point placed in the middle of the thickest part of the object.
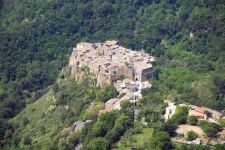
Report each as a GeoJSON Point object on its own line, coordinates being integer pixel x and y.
{"type": "Point", "coordinates": [109, 62]}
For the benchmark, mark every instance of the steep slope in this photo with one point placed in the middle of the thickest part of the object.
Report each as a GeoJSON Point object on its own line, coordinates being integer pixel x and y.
{"type": "Point", "coordinates": [43, 123]}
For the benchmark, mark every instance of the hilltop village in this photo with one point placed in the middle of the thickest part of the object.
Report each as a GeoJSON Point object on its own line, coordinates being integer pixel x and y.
{"type": "Point", "coordinates": [130, 71]}
{"type": "Point", "coordinates": [110, 63]}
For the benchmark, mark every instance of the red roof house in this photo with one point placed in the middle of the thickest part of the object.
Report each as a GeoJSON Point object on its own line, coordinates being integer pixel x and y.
{"type": "Point", "coordinates": [200, 110]}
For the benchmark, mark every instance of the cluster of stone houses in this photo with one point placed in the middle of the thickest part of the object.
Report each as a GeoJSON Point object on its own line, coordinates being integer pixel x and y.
{"type": "Point", "coordinates": [110, 62]}
{"type": "Point", "coordinates": [130, 86]}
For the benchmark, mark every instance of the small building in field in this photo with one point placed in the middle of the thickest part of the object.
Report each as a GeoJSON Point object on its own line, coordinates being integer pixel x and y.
{"type": "Point", "coordinates": [205, 113]}
{"type": "Point", "coordinates": [198, 112]}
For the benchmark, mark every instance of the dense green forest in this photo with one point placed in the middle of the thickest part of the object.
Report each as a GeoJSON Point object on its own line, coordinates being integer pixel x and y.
{"type": "Point", "coordinates": [37, 36]}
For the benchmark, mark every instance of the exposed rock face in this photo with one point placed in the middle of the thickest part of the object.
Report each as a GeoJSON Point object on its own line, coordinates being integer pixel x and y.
{"type": "Point", "coordinates": [78, 74]}
{"type": "Point", "coordinates": [108, 62]}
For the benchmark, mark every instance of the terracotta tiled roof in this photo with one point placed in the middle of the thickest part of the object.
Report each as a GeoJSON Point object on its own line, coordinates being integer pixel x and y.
{"type": "Point", "coordinates": [113, 66]}
{"type": "Point", "coordinates": [200, 110]}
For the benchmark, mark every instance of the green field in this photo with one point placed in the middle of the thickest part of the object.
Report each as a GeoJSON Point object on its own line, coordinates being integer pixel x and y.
{"type": "Point", "coordinates": [137, 139]}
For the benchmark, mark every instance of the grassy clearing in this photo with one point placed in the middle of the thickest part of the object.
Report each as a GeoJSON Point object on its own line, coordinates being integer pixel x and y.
{"type": "Point", "coordinates": [138, 140]}
{"type": "Point", "coordinates": [144, 136]}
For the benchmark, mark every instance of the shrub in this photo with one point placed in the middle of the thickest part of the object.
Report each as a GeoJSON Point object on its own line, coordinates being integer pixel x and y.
{"type": "Point", "coordinates": [122, 123]}
{"type": "Point", "coordinates": [220, 146]}
{"type": "Point", "coordinates": [100, 129]}
{"type": "Point", "coordinates": [169, 128]}
{"type": "Point", "coordinates": [92, 111]}
{"type": "Point", "coordinates": [122, 95]}
{"type": "Point", "coordinates": [62, 97]}
{"type": "Point", "coordinates": [27, 140]}
{"type": "Point", "coordinates": [180, 116]}
{"type": "Point", "coordinates": [191, 135]}
{"type": "Point", "coordinates": [210, 128]}
{"type": "Point", "coordinates": [25, 121]}
{"type": "Point", "coordinates": [193, 120]}
{"type": "Point", "coordinates": [222, 122]}
{"type": "Point", "coordinates": [107, 93]}
{"type": "Point", "coordinates": [160, 140]}
{"type": "Point", "coordinates": [55, 87]}
{"type": "Point", "coordinates": [98, 144]}
{"type": "Point", "coordinates": [74, 138]}
{"type": "Point", "coordinates": [178, 119]}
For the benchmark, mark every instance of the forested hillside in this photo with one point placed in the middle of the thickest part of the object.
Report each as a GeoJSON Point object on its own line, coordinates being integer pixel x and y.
{"type": "Point", "coordinates": [37, 36]}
